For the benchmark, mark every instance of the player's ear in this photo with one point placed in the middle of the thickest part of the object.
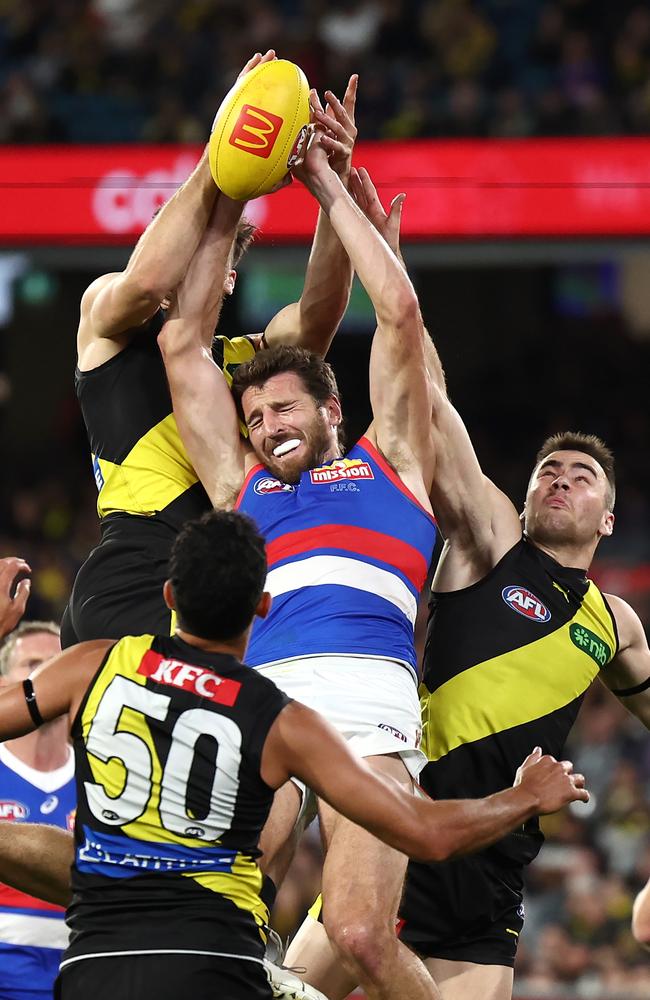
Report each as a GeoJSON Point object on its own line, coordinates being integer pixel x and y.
{"type": "Point", "coordinates": [263, 605]}
{"type": "Point", "coordinates": [168, 595]}
{"type": "Point", "coordinates": [229, 283]}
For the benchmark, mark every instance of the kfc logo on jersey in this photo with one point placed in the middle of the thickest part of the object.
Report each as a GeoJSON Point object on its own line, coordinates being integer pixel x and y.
{"type": "Point", "coordinates": [342, 468]}
{"type": "Point", "coordinates": [12, 811]}
{"type": "Point", "coordinates": [525, 603]}
{"type": "Point", "coordinates": [198, 680]}
{"type": "Point", "coordinates": [268, 485]}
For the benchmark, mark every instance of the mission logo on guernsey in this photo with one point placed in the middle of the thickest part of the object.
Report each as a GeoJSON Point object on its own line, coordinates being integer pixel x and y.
{"type": "Point", "coordinates": [348, 550]}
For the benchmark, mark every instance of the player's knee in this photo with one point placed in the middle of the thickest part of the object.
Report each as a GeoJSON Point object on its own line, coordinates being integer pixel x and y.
{"type": "Point", "coordinates": [365, 942]}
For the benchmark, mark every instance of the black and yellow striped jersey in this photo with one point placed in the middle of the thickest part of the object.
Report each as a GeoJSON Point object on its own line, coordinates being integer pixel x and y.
{"type": "Point", "coordinates": [168, 742]}
{"type": "Point", "coordinates": [140, 465]}
{"type": "Point", "coordinates": [506, 664]}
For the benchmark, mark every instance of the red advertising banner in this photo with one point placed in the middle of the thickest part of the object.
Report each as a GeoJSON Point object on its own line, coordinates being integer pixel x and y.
{"type": "Point", "coordinates": [465, 189]}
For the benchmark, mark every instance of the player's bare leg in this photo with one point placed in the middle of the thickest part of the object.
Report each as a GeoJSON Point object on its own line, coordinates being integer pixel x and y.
{"type": "Point", "coordinates": [362, 887]}
{"type": "Point", "coordinates": [467, 980]}
{"type": "Point", "coordinates": [311, 950]}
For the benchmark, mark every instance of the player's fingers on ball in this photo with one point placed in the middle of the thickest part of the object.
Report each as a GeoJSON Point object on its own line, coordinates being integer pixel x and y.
{"type": "Point", "coordinates": [251, 64]}
{"type": "Point", "coordinates": [268, 56]}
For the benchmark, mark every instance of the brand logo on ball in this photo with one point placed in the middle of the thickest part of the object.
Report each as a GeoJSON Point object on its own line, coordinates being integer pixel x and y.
{"type": "Point", "coordinates": [268, 485]}
{"type": "Point", "coordinates": [10, 810]}
{"type": "Point", "coordinates": [342, 468]}
{"type": "Point", "coordinates": [525, 603]}
{"type": "Point", "coordinates": [256, 131]}
{"type": "Point", "coordinates": [590, 643]}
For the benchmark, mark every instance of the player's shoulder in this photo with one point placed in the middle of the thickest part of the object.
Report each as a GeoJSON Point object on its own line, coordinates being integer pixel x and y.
{"type": "Point", "coordinates": [628, 624]}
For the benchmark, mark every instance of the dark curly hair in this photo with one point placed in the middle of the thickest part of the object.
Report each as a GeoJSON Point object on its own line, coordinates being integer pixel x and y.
{"type": "Point", "coordinates": [217, 570]}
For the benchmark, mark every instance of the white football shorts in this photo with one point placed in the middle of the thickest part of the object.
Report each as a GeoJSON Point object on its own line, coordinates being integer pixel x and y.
{"type": "Point", "coordinates": [373, 703]}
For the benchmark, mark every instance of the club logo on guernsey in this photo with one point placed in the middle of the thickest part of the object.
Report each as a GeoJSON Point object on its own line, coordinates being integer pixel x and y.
{"type": "Point", "coordinates": [182, 675]}
{"type": "Point", "coordinates": [342, 468]}
{"type": "Point", "coordinates": [256, 131]}
{"type": "Point", "coordinates": [12, 811]}
{"type": "Point", "coordinates": [525, 603]}
{"type": "Point", "coordinates": [269, 485]}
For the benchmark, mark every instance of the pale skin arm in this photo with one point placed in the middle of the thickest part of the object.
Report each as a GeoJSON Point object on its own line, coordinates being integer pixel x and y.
{"type": "Point", "coordinates": [203, 406]}
{"type": "Point", "coordinates": [631, 665]}
{"type": "Point", "coordinates": [302, 743]}
{"type": "Point", "coordinates": [313, 320]}
{"type": "Point", "coordinates": [117, 303]}
{"type": "Point", "coordinates": [12, 609]}
{"type": "Point", "coordinates": [399, 386]}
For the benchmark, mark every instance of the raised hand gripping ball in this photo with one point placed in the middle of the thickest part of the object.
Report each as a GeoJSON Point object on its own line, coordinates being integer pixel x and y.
{"type": "Point", "coordinates": [257, 126]}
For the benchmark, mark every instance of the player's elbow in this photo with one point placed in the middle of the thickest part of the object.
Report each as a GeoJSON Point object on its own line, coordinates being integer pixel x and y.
{"type": "Point", "coordinates": [401, 310]}
{"type": "Point", "coordinates": [144, 286]}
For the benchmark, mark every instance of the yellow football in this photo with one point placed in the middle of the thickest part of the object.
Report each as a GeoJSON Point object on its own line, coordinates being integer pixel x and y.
{"type": "Point", "coordinates": [256, 128]}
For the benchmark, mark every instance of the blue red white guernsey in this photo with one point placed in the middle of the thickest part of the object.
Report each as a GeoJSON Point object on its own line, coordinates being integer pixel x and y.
{"type": "Point", "coordinates": [32, 933]}
{"type": "Point", "coordinates": [349, 549]}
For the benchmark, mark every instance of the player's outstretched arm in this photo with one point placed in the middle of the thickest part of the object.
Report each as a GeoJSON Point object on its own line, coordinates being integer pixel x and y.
{"type": "Point", "coordinates": [13, 596]}
{"type": "Point", "coordinates": [302, 743]}
{"type": "Point", "coordinates": [628, 675]}
{"type": "Point", "coordinates": [203, 406]}
{"type": "Point", "coordinates": [314, 319]}
{"type": "Point", "coordinates": [116, 303]}
{"type": "Point", "coordinates": [36, 858]}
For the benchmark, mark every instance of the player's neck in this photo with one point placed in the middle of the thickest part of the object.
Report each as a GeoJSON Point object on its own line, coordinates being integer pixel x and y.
{"type": "Point", "coordinates": [571, 556]}
{"type": "Point", "coordinates": [46, 749]}
{"type": "Point", "coordinates": [234, 647]}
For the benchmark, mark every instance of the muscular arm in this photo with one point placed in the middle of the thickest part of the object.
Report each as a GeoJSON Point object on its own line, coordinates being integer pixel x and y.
{"type": "Point", "coordinates": [631, 665]}
{"type": "Point", "coordinates": [203, 406]}
{"type": "Point", "coordinates": [116, 303]}
{"type": "Point", "coordinates": [398, 379]}
{"type": "Point", "coordinates": [301, 742]}
{"type": "Point", "coordinates": [314, 319]}
{"type": "Point", "coordinates": [35, 858]}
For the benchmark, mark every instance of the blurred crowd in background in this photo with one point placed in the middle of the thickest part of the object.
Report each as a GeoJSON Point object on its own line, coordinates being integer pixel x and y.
{"type": "Point", "coordinates": [116, 70]}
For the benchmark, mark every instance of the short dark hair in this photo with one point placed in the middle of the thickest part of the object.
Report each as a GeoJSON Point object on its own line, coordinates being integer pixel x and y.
{"type": "Point", "coordinates": [316, 374]}
{"type": "Point", "coordinates": [246, 233]}
{"type": "Point", "coordinates": [217, 570]}
{"type": "Point", "coordinates": [590, 445]}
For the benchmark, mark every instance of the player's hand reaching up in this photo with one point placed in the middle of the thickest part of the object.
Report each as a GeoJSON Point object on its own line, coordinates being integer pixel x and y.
{"type": "Point", "coordinates": [256, 60]}
{"type": "Point", "coordinates": [13, 596]}
{"type": "Point", "coordinates": [552, 782]}
{"type": "Point", "coordinates": [336, 123]}
{"type": "Point", "coordinates": [386, 223]}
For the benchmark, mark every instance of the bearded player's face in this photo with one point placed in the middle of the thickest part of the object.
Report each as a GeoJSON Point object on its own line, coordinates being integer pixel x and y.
{"type": "Point", "coordinates": [289, 430]}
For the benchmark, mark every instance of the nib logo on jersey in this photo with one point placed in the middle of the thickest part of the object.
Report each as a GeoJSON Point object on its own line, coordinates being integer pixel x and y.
{"type": "Point", "coordinates": [342, 468]}
{"type": "Point", "coordinates": [525, 603]}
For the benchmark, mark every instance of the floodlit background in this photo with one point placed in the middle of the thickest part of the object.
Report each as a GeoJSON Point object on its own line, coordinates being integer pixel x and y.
{"type": "Point", "coordinates": [536, 334]}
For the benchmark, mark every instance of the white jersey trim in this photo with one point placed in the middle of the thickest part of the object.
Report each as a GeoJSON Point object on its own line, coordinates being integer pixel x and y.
{"type": "Point", "coordinates": [318, 571]}
{"type": "Point", "coordinates": [160, 951]}
{"type": "Point", "coordinates": [46, 781]}
{"type": "Point", "coordinates": [34, 932]}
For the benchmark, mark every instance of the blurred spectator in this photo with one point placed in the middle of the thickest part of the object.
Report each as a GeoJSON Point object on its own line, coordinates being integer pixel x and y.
{"type": "Point", "coordinates": [428, 67]}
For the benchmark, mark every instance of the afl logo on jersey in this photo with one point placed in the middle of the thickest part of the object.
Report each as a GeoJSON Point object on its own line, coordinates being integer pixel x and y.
{"type": "Point", "coordinates": [525, 603]}
{"type": "Point", "coordinates": [12, 811]}
{"type": "Point", "coordinates": [268, 485]}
